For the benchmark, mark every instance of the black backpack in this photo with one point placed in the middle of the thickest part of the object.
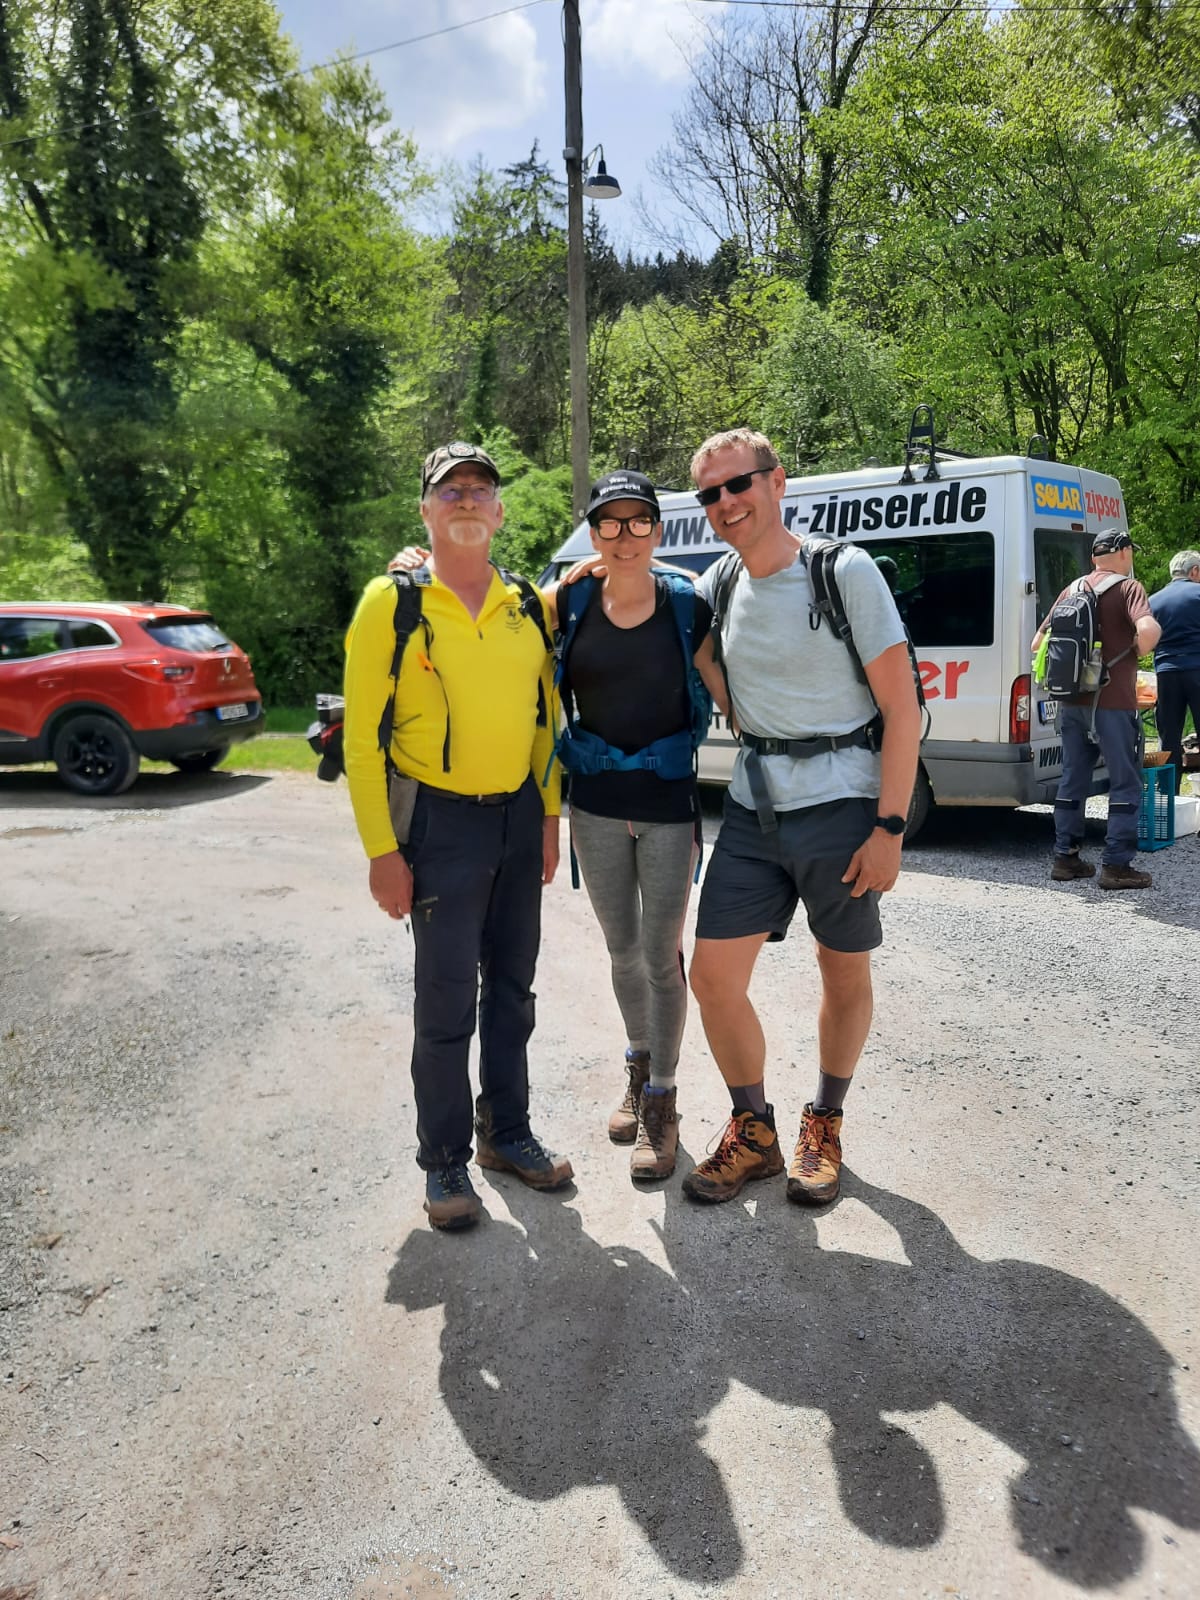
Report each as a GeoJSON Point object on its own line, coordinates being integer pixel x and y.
{"type": "Point", "coordinates": [1069, 662]}
{"type": "Point", "coordinates": [325, 735]}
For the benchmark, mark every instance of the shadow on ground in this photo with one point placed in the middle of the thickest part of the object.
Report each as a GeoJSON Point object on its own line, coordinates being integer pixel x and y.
{"type": "Point", "coordinates": [153, 791]}
{"type": "Point", "coordinates": [567, 1363]}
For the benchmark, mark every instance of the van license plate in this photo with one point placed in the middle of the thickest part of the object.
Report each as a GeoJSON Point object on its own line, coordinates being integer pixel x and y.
{"type": "Point", "coordinates": [1047, 711]}
{"type": "Point", "coordinates": [232, 713]}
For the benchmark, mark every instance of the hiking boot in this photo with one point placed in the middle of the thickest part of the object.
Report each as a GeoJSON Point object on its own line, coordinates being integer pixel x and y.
{"type": "Point", "coordinates": [623, 1124]}
{"type": "Point", "coordinates": [815, 1173]}
{"type": "Point", "coordinates": [1126, 877]}
{"type": "Point", "coordinates": [450, 1200]}
{"type": "Point", "coordinates": [749, 1148]}
{"type": "Point", "coordinates": [657, 1137]}
{"type": "Point", "coordinates": [525, 1155]}
{"type": "Point", "coordinates": [1073, 866]}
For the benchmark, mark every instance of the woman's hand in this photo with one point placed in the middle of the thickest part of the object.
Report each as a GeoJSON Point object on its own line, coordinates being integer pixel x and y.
{"type": "Point", "coordinates": [409, 559]}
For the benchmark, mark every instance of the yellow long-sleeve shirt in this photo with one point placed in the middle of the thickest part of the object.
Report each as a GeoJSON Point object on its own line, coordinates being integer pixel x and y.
{"type": "Point", "coordinates": [484, 671]}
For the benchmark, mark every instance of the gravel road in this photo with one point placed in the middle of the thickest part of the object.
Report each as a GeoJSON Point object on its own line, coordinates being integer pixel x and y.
{"type": "Point", "coordinates": [235, 1361]}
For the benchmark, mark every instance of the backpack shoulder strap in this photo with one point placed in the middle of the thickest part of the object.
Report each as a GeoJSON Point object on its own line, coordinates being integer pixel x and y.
{"type": "Point", "coordinates": [531, 605]}
{"type": "Point", "coordinates": [727, 570]}
{"type": "Point", "coordinates": [821, 557]}
{"type": "Point", "coordinates": [681, 592]}
{"type": "Point", "coordinates": [407, 616]}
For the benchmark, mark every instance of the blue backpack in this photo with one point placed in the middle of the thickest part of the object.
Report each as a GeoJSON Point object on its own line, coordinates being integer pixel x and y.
{"type": "Point", "coordinates": [672, 757]}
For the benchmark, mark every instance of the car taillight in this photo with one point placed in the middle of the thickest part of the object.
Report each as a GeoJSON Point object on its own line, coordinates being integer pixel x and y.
{"type": "Point", "coordinates": [156, 672]}
{"type": "Point", "coordinates": [1018, 711]}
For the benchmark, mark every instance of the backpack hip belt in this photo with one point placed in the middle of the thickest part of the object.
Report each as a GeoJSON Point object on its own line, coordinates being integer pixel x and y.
{"type": "Point", "coordinates": [868, 737]}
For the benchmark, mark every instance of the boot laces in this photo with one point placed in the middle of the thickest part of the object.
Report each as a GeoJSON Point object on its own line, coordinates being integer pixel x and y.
{"type": "Point", "coordinates": [725, 1154]}
{"type": "Point", "coordinates": [452, 1179]}
{"type": "Point", "coordinates": [814, 1136]}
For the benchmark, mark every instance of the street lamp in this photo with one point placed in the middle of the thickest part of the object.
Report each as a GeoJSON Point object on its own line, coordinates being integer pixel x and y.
{"type": "Point", "coordinates": [599, 186]}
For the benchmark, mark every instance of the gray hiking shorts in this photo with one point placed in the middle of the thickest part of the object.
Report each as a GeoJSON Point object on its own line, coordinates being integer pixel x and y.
{"type": "Point", "coordinates": [755, 880]}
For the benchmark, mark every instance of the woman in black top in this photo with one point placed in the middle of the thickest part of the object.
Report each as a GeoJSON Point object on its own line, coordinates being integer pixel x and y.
{"type": "Point", "coordinates": [635, 833]}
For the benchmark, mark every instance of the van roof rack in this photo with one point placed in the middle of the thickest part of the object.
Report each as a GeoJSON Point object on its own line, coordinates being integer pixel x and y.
{"type": "Point", "coordinates": [922, 439]}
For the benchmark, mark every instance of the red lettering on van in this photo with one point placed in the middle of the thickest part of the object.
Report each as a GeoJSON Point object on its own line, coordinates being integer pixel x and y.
{"type": "Point", "coordinates": [1103, 506]}
{"type": "Point", "coordinates": [930, 673]}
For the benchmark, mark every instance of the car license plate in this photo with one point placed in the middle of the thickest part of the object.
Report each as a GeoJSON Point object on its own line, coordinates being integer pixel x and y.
{"type": "Point", "coordinates": [233, 712]}
{"type": "Point", "coordinates": [1047, 711]}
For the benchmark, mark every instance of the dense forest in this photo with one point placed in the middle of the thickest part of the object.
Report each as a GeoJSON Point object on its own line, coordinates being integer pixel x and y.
{"type": "Point", "coordinates": [228, 333]}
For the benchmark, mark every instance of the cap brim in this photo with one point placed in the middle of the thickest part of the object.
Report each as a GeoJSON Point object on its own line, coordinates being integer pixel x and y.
{"type": "Point", "coordinates": [447, 467]}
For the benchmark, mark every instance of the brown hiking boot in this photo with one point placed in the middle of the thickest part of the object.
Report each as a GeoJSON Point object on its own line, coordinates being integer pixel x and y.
{"type": "Point", "coordinates": [815, 1173]}
{"type": "Point", "coordinates": [1073, 866]}
{"type": "Point", "coordinates": [1127, 877]}
{"type": "Point", "coordinates": [657, 1137]}
{"type": "Point", "coordinates": [623, 1124]}
{"type": "Point", "coordinates": [749, 1148]}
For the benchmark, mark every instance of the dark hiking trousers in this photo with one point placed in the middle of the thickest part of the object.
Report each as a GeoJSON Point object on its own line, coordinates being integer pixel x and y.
{"type": "Point", "coordinates": [1178, 693]}
{"type": "Point", "coordinates": [476, 920]}
{"type": "Point", "coordinates": [1118, 738]}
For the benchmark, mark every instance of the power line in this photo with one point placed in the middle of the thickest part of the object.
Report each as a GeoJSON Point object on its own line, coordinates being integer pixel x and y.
{"type": "Point", "coordinates": [303, 72]}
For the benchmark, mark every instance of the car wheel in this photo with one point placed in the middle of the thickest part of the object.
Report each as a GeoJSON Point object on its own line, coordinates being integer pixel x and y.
{"type": "Point", "coordinates": [200, 760]}
{"type": "Point", "coordinates": [94, 755]}
{"type": "Point", "coordinates": [919, 806]}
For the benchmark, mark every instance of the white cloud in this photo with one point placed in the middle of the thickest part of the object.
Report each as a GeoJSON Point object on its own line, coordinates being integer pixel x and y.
{"type": "Point", "coordinates": [447, 90]}
{"type": "Point", "coordinates": [657, 37]}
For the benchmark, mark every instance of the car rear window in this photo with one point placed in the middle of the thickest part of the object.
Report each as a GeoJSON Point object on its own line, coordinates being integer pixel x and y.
{"type": "Point", "coordinates": [90, 635]}
{"type": "Point", "coordinates": [188, 633]}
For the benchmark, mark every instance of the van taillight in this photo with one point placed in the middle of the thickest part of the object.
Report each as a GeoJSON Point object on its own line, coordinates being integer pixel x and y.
{"type": "Point", "coordinates": [1018, 710]}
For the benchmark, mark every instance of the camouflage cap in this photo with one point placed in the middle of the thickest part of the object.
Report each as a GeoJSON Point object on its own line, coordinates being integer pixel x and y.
{"type": "Point", "coordinates": [448, 456]}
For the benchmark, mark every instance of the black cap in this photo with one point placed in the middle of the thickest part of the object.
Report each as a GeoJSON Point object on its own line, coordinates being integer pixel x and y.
{"type": "Point", "coordinates": [622, 485]}
{"type": "Point", "coordinates": [1109, 540]}
{"type": "Point", "coordinates": [448, 456]}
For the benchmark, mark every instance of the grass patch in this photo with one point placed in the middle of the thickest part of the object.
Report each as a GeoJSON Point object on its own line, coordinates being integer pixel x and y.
{"type": "Point", "coordinates": [270, 755]}
{"type": "Point", "coordinates": [289, 719]}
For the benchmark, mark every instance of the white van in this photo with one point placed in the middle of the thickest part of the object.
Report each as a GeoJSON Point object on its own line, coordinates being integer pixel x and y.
{"type": "Point", "coordinates": [981, 548]}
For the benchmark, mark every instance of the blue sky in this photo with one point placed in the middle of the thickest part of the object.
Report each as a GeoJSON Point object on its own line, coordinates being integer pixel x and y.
{"type": "Point", "coordinates": [493, 88]}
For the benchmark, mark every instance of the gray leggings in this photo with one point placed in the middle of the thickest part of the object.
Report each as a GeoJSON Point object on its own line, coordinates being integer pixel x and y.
{"type": "Point", "coordinates": [638, 876]}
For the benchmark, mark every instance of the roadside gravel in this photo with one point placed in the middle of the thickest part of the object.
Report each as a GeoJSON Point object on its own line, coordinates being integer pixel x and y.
{"type": "Point", "coordinates": [235, 1361]}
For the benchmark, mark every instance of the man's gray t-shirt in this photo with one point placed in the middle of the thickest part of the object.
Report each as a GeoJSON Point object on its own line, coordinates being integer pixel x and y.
{"type": "Point", "coordinates": [791, 681]}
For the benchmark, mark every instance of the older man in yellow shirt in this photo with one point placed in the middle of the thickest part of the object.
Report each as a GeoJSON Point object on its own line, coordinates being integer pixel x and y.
{"type": "Point", "coordinates": [445, 764]}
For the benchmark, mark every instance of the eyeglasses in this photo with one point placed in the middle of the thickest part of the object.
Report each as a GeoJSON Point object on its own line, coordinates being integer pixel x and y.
{"type": "Point", "coordinates": [738, 485]}
{"type": "Point", "coordinates": [454, 493]}
{"type": "Point", "coordinates": [640, 526]}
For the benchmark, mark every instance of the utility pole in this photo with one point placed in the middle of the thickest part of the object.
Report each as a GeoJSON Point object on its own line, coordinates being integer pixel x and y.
{"type": "Point", "coordinates": [576, 277]}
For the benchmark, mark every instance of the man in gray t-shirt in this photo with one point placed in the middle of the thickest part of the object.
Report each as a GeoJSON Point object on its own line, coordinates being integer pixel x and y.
{"type": "Point", "coordinates": [815, 812]}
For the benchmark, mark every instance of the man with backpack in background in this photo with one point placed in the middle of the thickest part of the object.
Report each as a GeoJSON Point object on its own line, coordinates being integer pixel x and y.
{"type": "Point", "coordinates": [450, 726]}
{"type": "Point", "coordinates": [816, 809]}
{"type": "Point", "coordinates": [1107, 606]}
{"type": "Point", "coordinates": [1176, 609]}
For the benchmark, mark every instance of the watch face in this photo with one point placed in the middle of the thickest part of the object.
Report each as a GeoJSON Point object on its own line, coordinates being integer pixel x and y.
{"type": "Point", "coordinates": [894, 825]}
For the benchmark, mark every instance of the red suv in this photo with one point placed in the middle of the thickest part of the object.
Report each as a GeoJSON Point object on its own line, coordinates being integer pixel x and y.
{"type": "Point", "coordinates": [94, 688]}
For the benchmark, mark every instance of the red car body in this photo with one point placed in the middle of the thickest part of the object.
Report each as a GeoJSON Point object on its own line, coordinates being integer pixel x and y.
{"type": "Point", "coordinates": [94, 688]}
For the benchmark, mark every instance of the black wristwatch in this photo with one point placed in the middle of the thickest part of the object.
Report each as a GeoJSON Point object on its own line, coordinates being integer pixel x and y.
{"type": "Point", "coordinates": [892, 825]}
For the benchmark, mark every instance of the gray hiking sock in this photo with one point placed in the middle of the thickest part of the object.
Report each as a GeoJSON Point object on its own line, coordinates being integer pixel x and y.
{"type": "Point", "coordinates": [831, 1092]}
{"type": "Point", "coordinates": [749, 1097]}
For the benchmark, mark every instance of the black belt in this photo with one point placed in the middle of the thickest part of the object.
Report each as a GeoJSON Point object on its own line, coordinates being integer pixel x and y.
{"type": "Point", "coordinates": [500, 799]}
{"type": "Point", "coordinates": [868, 737]}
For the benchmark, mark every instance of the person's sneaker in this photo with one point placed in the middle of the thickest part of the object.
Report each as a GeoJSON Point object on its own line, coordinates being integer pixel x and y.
{"type": "Point", "coordinates": [657, 1137]}
{"type": "Point", "coordinates": [815, 1173]}
{"type": "Point", "coordinates": [527, 1156]}
{"type": "Point", "coordinates": [623, 1124]}
{"type": "Point", "coordinates": [1074, 866]}
{"type": "Point", "coordinates": [749, 1148]}
{"type": "Point", "coordinates": [1126, 877]}
{"type": "Point", "coordinates": [450, 1200]}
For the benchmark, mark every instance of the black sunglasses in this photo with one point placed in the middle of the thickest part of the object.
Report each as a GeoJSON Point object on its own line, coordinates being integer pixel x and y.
{"type": "Point", "coordinates": [738, 485]}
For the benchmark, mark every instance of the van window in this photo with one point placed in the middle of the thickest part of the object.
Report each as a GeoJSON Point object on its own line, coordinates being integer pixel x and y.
{"type": "Point", "coordinates": [1059, 557]}
{"type": "Point", "coordinates": [944, 584]}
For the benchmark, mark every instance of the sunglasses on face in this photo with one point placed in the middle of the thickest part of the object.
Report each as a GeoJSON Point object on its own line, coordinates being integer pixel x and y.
{"type": "Point", "coordinates": [455, 493]}
{"type": "Point", "coordinates": [640, 526]}
{"type": "Point", "coordinates": [737, 485]}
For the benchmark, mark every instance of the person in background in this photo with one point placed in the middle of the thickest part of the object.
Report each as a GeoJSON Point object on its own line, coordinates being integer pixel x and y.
{"type": "Point", "coordinates": [1176, 609]}
{"type": "Point", "coordinates": [1108, 725]}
